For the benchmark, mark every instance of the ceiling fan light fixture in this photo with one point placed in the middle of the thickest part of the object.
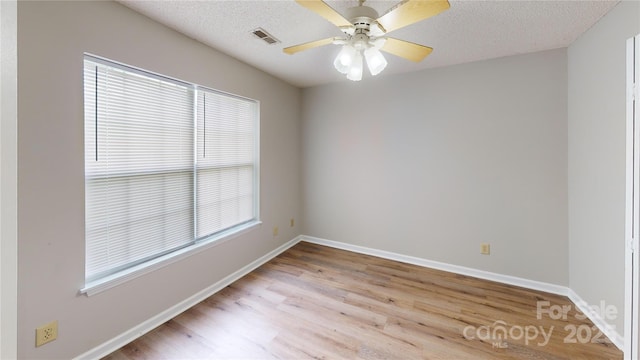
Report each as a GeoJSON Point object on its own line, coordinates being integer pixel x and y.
{"type": "Point", "coordinates": [375, 60]}
{"type": "Point", "coordinates": [345, 58]}
{"type": "Point", "coordinates": [355, 71]}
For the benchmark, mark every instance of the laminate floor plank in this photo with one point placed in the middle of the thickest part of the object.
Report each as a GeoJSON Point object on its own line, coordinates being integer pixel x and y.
{"type": "Point", "coordinates": [317, 302]}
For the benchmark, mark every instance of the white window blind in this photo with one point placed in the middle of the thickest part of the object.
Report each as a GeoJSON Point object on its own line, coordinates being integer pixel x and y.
{"type": "Point", "coordinates": [225, 162]}
{"type": "Point", "coordinates": [160, 172]}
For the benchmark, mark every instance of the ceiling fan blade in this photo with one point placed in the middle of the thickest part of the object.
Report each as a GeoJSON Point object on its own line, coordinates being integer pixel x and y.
{"type": "Point", "coordinates": [321, 8]}
{"type": "Point", "coordinates": [411, 11]}
{"type": "Point", "coordinates": [406, 49]}
{"type": "Point", "coordinates": [310, 45]}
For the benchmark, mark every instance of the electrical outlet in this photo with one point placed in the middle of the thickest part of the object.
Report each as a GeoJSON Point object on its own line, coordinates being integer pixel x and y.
{"type": "Point", "coordinates": [485, 249]}
{"type": "Point", "coordinates": [275, 231]}
{"type": "Point", "coordinates": [46, 333]}
{"type": "Point", "coordinates": [292, 222]}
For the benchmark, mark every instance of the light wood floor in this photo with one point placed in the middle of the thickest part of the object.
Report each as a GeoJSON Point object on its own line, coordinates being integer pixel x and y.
{"type": "Point", "coordinates": [317, 302]}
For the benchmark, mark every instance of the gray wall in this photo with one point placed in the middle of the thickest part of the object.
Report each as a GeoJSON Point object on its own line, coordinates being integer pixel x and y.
{"type": "Point", "coordinates": [433, 163]}
{"type": "Point", "coordinates": [597, 82]}
{"type": "Point", "coordinates": [52, 37]}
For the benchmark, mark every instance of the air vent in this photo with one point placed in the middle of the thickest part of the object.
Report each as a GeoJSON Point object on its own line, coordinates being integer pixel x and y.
{"type": "Point", "coordinates": [263, 35]}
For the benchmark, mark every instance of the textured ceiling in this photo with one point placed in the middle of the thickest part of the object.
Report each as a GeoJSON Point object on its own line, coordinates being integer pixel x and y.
{"type": "Point", "coordinates": [468, 31]}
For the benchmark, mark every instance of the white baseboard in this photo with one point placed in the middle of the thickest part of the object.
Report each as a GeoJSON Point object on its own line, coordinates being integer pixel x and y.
{"type": "Point", "coordinates": [594, 316]}
{"type": "Point", "coordinates": [505, 279]}
{"type": "Point", "coordinates": [150, 324]}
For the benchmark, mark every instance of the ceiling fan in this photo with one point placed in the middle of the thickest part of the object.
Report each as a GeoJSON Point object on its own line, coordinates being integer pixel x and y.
{"type": "Point", "coordinates": [365, 34]}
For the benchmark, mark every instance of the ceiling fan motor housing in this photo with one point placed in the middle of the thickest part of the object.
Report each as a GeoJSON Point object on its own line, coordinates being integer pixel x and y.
{"type": "Point", "coordinates": [353, 13]}
{"type": "Point", "coordinates": [362, 18]}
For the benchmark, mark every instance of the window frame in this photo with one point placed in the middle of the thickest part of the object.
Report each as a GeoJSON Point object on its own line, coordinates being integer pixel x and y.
{"type": "Point", "coordinates": [119, 276]}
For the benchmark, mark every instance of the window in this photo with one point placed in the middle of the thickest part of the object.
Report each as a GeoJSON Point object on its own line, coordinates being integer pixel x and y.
{"type": "Point", "coordinates": [168, 165]}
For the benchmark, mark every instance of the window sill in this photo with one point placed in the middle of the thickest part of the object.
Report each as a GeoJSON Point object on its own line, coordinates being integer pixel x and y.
{"type": "Point", "coordinates": [98, 286]}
